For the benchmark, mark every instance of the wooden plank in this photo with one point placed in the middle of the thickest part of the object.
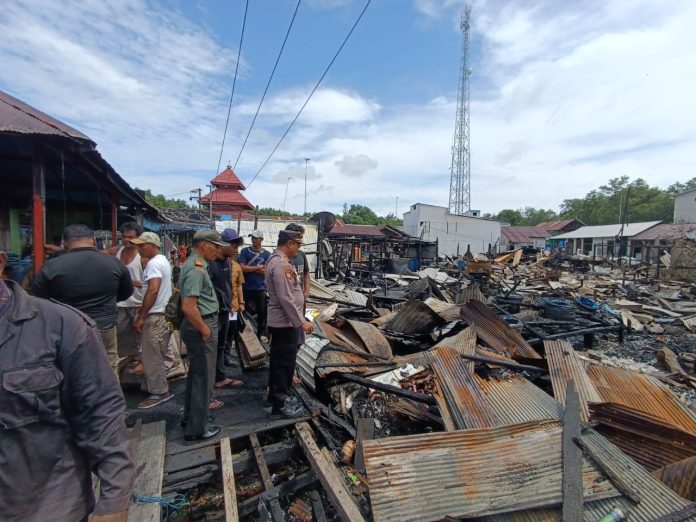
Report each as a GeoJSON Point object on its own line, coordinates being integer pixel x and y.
{"type": "Point", "coordinates": [572, 457]}
{"type": "Point", "coordinates": [365, 431]}
{"type": "Point", "coordinates": [276, 511]}
{"type": "Point", "coordinates": [251, 344]}
{"type": "Point", "coordinates": [228, 485]}
{"type": "Point", "coordinates": [328, 476]}
{"type": "Point", "coordinates": [149, 466]}
{"type": "Point", "coordinates": [317, 506]}
{"type": "Point", "coordinates": [608, 469]}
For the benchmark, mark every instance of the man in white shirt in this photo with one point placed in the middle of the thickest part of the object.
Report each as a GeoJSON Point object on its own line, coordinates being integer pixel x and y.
{"type": "Point", "coordinates": [157, 286]}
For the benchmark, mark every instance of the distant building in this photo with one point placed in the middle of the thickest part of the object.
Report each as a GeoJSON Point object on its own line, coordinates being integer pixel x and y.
{"type": "Point", "coordinates": [685, 207]}
{"type": "Point", "coordinates": [454, 233]}
{"type": "Point", "coordinates": [602, 240]}
{"type": "Point", "coordinates": [512, 238]}
{"type": "Point", "coordinates": [560, 226]}
{"type": "Point", "coordinates": [227, 196]}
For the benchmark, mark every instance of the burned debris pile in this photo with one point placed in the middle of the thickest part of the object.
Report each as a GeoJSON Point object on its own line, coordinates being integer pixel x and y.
{"type": "Point", "coordinates": [508, 389]}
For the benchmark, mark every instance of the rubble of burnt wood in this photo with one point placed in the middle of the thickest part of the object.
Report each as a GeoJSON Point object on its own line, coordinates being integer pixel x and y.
{"type": "Point", "coordinates": [510, 386]}
{"type": "Point", "coordinates": [515, 387]}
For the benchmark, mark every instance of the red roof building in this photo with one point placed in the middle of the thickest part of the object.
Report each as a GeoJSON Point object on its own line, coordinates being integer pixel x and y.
{"type": "Point", "coordinates": [227, 197]}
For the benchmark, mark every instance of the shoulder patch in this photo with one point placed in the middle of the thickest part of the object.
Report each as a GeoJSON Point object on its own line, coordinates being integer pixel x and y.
{"type": "Point", "coordinates": [198, 262]}
{"type": "Point", "coordinates": [86, 318]}
{"type": "Point", "coordinates": [289, 272]}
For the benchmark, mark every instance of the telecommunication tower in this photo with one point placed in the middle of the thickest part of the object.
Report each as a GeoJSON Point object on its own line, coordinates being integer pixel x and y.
{"type": "Point", "coordinates": [460, 180]}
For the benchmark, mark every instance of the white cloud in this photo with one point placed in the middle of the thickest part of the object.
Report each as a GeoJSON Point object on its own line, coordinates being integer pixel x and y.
{"type": "Point", "coordinates": [564, 97]}
{"type": "Point", "coordinates": [356, 166]}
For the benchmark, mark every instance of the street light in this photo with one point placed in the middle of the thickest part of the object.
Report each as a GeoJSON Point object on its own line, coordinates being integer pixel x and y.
{"type": "Point", "coordinates": [306, 162]}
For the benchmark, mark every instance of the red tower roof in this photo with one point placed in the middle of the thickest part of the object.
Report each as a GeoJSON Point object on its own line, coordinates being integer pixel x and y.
{"type": "Point", "coordinates": [228, 179]}
{"type": "Point", "coordinates": [227, 198]}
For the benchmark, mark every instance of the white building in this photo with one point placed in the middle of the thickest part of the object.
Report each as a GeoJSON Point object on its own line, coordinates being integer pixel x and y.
{"type": "Point", "coordinates": [685, 207]}
{"type": "Point", "coordinates": [453, 232]}
{"type": "Point", "coordinates": [600, 240]}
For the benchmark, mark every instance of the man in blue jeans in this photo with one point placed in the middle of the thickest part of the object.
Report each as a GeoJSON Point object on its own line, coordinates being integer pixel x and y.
{"type": "Point", "coordinates": [253, 260]}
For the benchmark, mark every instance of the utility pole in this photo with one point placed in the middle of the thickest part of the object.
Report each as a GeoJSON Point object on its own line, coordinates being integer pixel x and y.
{"type": "Point", "coordinates": [396, 208]}
{"type": "Point", "coordinates": [286, 192]}
{"type": "Point", "coordinates": [460, 170]}
{"type": "Point", "coordinates": [210, 200]}
{"type": "Point", "coordinates": [306, 162]}
{"type": "Point", "coordinates": [197, 197]}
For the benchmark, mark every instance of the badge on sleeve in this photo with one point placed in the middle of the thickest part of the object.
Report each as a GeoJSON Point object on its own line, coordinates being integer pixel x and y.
{"type": "Point", "coordinates": [289, 272]}
{"type": "Point", "coordinates": [198, 262]}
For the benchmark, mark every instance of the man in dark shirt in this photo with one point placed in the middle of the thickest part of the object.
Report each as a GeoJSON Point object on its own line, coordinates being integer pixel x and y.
{"type": "Point", "coordinates": [89, 281]}
{"type": "Point", "coordinates": [220, 271]}
{"type": "Point", "coordinates": [61, 417]}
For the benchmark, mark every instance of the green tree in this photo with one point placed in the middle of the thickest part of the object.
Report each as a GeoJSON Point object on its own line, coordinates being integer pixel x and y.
{"type": "Point", "coordinates": [678, 187]}
{"type": "Point", "coordinates": [360, 215]}
{"type": "Point", "coordinates": [268, 211]}
{"type": "Point", "coordinates": [508, 215]}
{"type": "Point", "coordinates": [162, 202]}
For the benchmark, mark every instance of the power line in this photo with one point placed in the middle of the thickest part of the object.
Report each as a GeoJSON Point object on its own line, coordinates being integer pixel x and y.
{"type": "Point", "coordinates": [268, 84]}
{"type": "Point", "coordinates": [311, 93]}
{"type": "Point", "coordinates": [234, 83]}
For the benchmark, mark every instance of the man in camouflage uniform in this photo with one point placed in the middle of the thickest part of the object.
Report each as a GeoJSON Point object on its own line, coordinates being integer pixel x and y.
{"type": "Point", "coordinates": [286, 322]}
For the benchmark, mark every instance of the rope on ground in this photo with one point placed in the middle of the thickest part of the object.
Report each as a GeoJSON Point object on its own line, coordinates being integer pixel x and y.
{"type": "Point", "coordinates": [175, 501]}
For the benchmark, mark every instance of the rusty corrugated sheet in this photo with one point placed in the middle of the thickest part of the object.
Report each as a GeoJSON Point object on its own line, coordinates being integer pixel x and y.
{"type": "Point", "coordinates": [565, 366]}
{"type": "Point", "coordinates": [495, 332]}
{"type": "Point", "coordinates": [467, 405]}
{"type": "Point", "coordinates": [650, 441]}
{"type": "Point", "coordinates": [463, 342]}
{"type": "Point", "coordinates": [17, 116]}
{"type": "Point", "coordinates": [471, 293]}
{"type": "Point", "coordinates": [415, 317]}
{"type": "Point", "coordinates": [373, 338]}
{"type": "Point", "coordinates": [514, 399]}
{"type": "Point", "coordinates": [438, 305]}
{"type": "Point", "coordinates": [470, 473]}
{"type": "Point", "coordinates": [680, 477]}
{"type": "Point", "coordinates": [355, 297]}
{"type": "Point", "coordinates": [642, 393]}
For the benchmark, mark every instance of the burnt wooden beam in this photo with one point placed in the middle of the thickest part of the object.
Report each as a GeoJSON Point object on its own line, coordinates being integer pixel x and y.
{"type": "Point", "coordinates": [276, 511]}
{"type": "Point", "coordinates": [228, 484]}
{"type": "Point", "coordinates": [387, 388]}
{"type": "Point", "coordinates": [572, 458]}
{"type": "Point", "coordinates": [329, 477]}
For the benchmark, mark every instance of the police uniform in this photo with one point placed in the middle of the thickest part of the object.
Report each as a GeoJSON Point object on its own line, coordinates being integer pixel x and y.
{"type": "Point", "coordinates": [285, 318]}
{"type": "Point", "coordinates": [195, 282]}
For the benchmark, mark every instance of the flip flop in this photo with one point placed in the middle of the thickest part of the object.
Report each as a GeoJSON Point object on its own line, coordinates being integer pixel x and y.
{"type": "Point", "coordinates": [228, 383]}
{"type": "Point", "coordinates": [138, 369]}
{"type": "Point", "coordinates": [215, 404]}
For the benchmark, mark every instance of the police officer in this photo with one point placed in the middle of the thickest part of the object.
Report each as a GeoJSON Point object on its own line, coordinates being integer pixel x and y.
{"type": "Point", "coordinates": [286, 322]}
{"type": "Point", "coordinates": [199, 328]}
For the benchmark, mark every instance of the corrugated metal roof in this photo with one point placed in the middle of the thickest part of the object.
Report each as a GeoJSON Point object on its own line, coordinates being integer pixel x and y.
{"type": "Point", "coordinates": [355, 297]}
{"type": "Point", "coordinates": [650, 441]}
{"type": "Point", "coordinates": [373, 338]}
{"type": "Point", "coordinates": [356, 230]}
{"type": "Point", "coordinates": [228, 196]}
{"type": "Point", "coordinates": [470, 473]}
{"type": "Point", "coordinates": [467, 405]}
{"type": "Point", "coordinates": [656, 498]}
{"type": "Point", "coordinates": [227, 178]}
{"type": "Point", "coordinates": [514, 399]}
{"type": "Point", "coordinates": [19, 117]}
{"type": "Point", "coordinates": [415, 317]}
{"type": "Point", "coordinates": [558, 224]}
{"type": "Point", "coordinates": [667, 231]}
{"type": "Point", "coordinates": [307, 358]}
{"type": "Point", "coordinates": [642, 393]}
{"type": "Point", "coordinates": [523, 234]}
{"type": "Point", "coordinates": [630, 230]}
{"type": "Point", "coordinates": [564, 366]}
{"type": "Point", "coordinates": [496, 332]}
{"type": "Point", "coordinates": [680, 477]}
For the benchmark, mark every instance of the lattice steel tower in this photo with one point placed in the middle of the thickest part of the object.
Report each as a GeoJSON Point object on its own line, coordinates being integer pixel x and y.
{"type": "Point", "coordinates": [460, 180]}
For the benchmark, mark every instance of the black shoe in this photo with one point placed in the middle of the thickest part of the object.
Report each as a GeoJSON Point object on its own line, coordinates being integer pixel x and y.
{"type": "Point", "coordinates": [211, 418]}
{"type": "Point", "coordinates": [288, 411]}
{"type": "Point", "coordinates": [212, 432]}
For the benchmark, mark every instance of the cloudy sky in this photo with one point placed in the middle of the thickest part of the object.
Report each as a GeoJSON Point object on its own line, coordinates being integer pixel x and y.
{"type": "Point", "coordinates": [564, 95]}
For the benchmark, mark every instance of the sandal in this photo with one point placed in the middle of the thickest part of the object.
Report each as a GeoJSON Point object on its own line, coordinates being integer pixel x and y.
{"type": "Point", "coordinates": [215, 404]}
{"type": "Point", "coordinates": [154, 400]}
{"type": "Point", "coordinates": [228, 382]}
{"type": "Point", "coordinates": [139, 369]}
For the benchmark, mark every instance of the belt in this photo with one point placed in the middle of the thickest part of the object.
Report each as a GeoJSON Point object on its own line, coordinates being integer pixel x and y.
{"type": "Point", "coordinates": [209, 316]}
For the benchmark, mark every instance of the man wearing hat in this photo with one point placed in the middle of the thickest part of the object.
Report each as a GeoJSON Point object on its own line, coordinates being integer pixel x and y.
{"type": "Point", "coordinates": [286, 322]}
{"type": "Point", "coordinates": [221, 274]}
{"type": "Point", "coordinates": [199, 327]}
{"type": "Point", "coordinates": [150, 323]}
{"type": "Point", "coordinates": [253, 260]}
